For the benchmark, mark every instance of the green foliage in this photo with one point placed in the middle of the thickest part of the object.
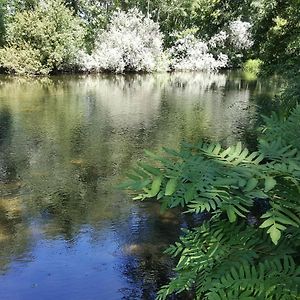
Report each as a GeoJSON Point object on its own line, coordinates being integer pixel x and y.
{"type": "Point", "coordinates": [284, 129]}
{"type": "Point", "coordinates": [206, 178]}
{"type": "Point", "coordinates": [22, 61]}
{"type": "Point", "coordinates": [289, 97]}
{"type": "Point", "coordinates": [15, 6]}
{"type": "Point", "coordinates": [43, 40]}
{"type": "Point", "coordinates": [226, 261]}
{"type": "Point", "coordinates": [221, 261]}
{"type": "Point", "coordinates": [277, 33]}
{"type": "Point", "coordinates": [247, 247]}
{"type": "Point", "coordinates": [253, 66]}
{"type": "Point", "coordinates": [95, 16]}
{"type": "Point", "coordinates": [2, 22]}
{"type": "Point", "coordinates": [276, 27]}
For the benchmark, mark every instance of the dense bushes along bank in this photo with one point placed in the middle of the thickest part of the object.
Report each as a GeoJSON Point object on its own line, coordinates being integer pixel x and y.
{"type": "Point", "coordinates": [42, 37]}
{"type": "Point", "coordinates": [50, 39]}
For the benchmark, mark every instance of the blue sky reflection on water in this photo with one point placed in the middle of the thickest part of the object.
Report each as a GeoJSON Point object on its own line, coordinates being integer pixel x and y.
{"type": "Point", "coordinates": [67, 270]}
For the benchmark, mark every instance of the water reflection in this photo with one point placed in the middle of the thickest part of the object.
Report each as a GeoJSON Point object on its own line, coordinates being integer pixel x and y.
{"type": "Point", "coordinates": [65, 142]}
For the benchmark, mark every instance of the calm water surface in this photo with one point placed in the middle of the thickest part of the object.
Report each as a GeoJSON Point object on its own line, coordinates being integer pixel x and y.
{"type": "Point", "coordinates": [65, 142]}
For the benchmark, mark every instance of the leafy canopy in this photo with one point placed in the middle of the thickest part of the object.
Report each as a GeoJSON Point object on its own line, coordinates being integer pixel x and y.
{"type": "Point", "coordinates": [42, 40]}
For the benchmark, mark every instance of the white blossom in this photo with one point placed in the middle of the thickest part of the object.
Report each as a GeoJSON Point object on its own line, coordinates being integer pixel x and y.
{"type": "Point", "coordinates": [240, 35]}
{"type": "Point", "coordinates": [86, 62]}
{"type": "Point", "coordinates": [132, 42]}
{"type": "Point", "coordinates": [218, 40]}
{"type": "Point", "coordinates": [190, 53]}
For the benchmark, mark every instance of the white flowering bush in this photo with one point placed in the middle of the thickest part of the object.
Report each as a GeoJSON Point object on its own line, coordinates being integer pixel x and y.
{"type": "Point", "coordinates": [190, 53]}
{"type": "Point", "coordinates": [224, 49]}
{"type": "Point", "coordinates": [218, 40]}
{"type": "Point", "coordinates": [132, 42]}
{"type": "Point", "coordinates": [86, 62]}
{"type": "Point", "coordinates": [240, 35]}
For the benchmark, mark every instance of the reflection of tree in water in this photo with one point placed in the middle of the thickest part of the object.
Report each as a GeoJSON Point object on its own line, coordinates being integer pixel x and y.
{"type": "Point", "coordinates": [12, 158]}
{"type": "Point", "coordinates": [7, 167]}
{"type": "Point", "coordinates": [66, 142]}
{"type": "Point", "coordinates": [15, 237]}
{"type": "Point", "coordinates": [145, 235]}
{"type": "Point", "coordinates": [5, 124]}
{"type": "Point", "coordinates": [69, 200]}
{"type": "Point", "coordinates": [14, 234]}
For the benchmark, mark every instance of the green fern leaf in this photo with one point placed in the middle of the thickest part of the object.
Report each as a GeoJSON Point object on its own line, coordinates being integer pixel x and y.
{"type": "Point", "coordinates": [171, 187]}
{"type": "Point", "coordinates": [269, 184]}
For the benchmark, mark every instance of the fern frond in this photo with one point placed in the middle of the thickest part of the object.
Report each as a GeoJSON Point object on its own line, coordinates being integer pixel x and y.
{"type": "Point", "coordinates": [225, 260]}
{"type": "Point", "coordinates": [249, 246]}
{"type": "Point", "coordinates": [285, 129]}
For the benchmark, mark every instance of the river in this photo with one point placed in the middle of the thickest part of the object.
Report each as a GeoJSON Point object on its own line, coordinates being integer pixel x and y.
{"type": "Point", "coordinates": [67, 141]}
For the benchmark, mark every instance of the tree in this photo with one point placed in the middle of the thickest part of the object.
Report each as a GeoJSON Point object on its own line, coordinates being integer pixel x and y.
{"type": "Point", "coordinates": [223, 49]}
{"type": "Point", "coordinates": [42, 40]}
{"type": "Point", "coordinates": [2, 22]}
{"type": "Point", "coordinates": [132, 42]}
{"type": "Point", "coordinates": [189, 53]}
{"type": "Point", "coordinates": [276, 33]}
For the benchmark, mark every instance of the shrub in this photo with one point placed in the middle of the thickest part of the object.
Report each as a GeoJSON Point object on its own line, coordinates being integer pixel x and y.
{"type": "Point", "coordinates": [132, 42]}
{"type": "Point", "coordinates": [225, 48]}
{"type": "Point", "coordinates": [240, 36]}
{"type": "Point", "coordinates": [252, 66]}
{"type": "Point", "coordinates": [218, 40]}
{"type": "Point", "coordinates": [24, 61]}
{"type": "Point", "coordinates": [2, 22]}
{"type": "Point", "coordinates": [190, 53]}
{"type": "Point", "coordinates": [43, 40]}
